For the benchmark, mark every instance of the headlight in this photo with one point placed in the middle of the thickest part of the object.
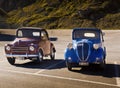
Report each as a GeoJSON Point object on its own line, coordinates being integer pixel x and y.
{"type": "Point", "coordinates": [70, 46]}
{"type": "Point", "coordinates": [8, 48]}
{"type": "Point", "coordinates": [31, 48]}
{"type": "Point", "coordinates": [96, 46]}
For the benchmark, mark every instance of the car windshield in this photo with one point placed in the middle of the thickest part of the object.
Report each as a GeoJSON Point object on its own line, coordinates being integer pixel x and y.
{"type": "Point", "coordinates": [86, 34]}
{"type": "Point", "coordinates": [28, 33]}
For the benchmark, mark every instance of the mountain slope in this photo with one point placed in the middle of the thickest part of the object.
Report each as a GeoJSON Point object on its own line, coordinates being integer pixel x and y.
{"type": "Point", "coordinates": [9, 5]}
{"type": "Point", "coordinates": [67, 14]}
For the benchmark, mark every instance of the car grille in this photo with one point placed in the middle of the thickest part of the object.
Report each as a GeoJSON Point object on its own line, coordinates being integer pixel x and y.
{"type": "Point", "coordinates": [83, 50]}
{"type": "Point", "coordinates": [19, 49]}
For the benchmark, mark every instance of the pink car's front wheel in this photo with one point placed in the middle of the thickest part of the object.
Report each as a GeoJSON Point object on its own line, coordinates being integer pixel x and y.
{"type": "Point", "coordinates": [11, 60]}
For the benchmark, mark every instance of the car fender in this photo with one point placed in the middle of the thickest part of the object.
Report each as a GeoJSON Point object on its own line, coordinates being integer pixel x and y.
{"type": "Point", "coordinates": [70, 53]}
{"type": "Point", "coordinates": [52, 47]}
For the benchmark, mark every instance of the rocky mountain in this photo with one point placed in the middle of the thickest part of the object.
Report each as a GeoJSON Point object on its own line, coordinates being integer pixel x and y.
{"type": "Point", "coordinates": [53, 14]}
{"type": "Point", "coordinates": [9, 5]}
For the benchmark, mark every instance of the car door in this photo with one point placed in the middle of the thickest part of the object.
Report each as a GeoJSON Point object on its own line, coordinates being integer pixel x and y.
{"type": "Point", "coordinates": [45, 43]}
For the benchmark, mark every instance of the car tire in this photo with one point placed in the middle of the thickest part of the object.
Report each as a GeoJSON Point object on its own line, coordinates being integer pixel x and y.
{"type": "Point", "coordinates": [40, 56]}
{"type": "Point", "coordinates": [11, 60]}
{"type": "Point", "coordinates": [52, 55]}
{"type": "Point", "coordinates": [69, 66]}
{"type": "Point", "coordinates": [102, 64]}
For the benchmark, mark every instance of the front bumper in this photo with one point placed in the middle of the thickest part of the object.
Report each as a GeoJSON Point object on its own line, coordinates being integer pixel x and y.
{"type": "Point", "coordinates": [82, 64]}
{"type": "Point", "coordinates": [23, 55]}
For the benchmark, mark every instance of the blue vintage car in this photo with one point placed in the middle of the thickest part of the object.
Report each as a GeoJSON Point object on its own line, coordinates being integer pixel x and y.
{"type": "Point", "coordinates": [87, 48]}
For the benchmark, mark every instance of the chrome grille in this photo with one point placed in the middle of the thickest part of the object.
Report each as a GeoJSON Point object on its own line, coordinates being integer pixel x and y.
{"type": "Point", "coordinates": [83, 51]}
{"type": "Point", "coordinates": [19, 49]}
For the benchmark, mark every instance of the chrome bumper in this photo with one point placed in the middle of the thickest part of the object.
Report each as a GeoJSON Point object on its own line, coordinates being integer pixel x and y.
{"type": "Point", "coordinates": [25, 55]}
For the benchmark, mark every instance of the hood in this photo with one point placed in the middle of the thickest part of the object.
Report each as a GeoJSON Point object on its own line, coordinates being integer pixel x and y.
{"type": "Point", "coordinates": [86, 41]}
{"type": "Point", "coordinates": [82, 41]}
{"type": "Point", "coordinates": [25, 41]}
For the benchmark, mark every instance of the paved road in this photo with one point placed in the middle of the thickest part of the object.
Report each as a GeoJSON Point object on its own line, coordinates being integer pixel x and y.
{"type": "Point", "coordinates": [54, 74]}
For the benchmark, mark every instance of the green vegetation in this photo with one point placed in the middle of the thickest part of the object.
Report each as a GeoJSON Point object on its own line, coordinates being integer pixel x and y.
{"type": "Point", "coordinates": [54, 14]}
{"type": "Point", "coordinates": [3, 17]}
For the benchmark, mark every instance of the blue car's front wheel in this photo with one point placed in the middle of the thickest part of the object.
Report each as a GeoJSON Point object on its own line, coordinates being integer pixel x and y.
{"type": "Point", "coordinates": [69, 66]}
{"type": "Point", "coordinates": [102, 64]}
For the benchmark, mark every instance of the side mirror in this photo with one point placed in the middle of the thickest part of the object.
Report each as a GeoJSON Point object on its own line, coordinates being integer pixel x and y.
{"type": "Point", "coordinates": [53, 38]}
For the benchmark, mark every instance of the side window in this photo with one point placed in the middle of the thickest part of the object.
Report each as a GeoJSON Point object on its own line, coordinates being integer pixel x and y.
{"type": "Point", "coordinates": [36, 34]}
{"type": "Point", "coordinates": [44, 35]}
{"type": "Point", "coordinates": [20, 34]}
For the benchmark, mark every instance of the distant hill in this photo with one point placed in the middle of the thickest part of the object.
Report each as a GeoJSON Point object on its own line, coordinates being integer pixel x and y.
{"type": "Point", "coordinates": [53, 14]}
{"type": "Point", "coordinates": [9, 5]}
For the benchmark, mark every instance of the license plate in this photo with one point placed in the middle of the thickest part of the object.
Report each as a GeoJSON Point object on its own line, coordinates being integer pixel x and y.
{"type": "Point", "coordinates": [83, 63]}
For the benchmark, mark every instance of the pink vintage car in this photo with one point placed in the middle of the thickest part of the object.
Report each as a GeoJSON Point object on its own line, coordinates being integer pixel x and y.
{"type": "Point", "coordinates": [30, 43]}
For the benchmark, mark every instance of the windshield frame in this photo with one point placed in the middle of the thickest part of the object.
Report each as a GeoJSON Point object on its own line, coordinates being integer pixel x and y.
{"type": "Point", "coordinates": [24, 33]}
{"type": "Point", "coordinates": [81, 34]}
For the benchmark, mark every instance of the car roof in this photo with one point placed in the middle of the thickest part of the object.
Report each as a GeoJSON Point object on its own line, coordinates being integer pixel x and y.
{"type": "Point", "coordinates": [92, 29]}
{"type": "Point", "coordinates": [31, 28]}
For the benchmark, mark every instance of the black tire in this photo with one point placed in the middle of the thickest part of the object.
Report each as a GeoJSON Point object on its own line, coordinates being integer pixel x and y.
{"type": "Point", "coordinates": [102, 64]}
{"type": "Point", "coordinates": [52, 55]}
{"type": "Point", "coordinates": [40, 56]}
{"type": "Point", "coordinates": [11, 60]}
{"type": "Point", "coordinates": [69, 66]}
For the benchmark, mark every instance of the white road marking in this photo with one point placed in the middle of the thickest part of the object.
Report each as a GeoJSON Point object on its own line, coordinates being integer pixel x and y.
{"type": "Point", "coordinates": [48, 67]}
{"type": "Point", "coordinates": [62, 78]}
{"type": "Point", "coordinates": [117, 74]}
